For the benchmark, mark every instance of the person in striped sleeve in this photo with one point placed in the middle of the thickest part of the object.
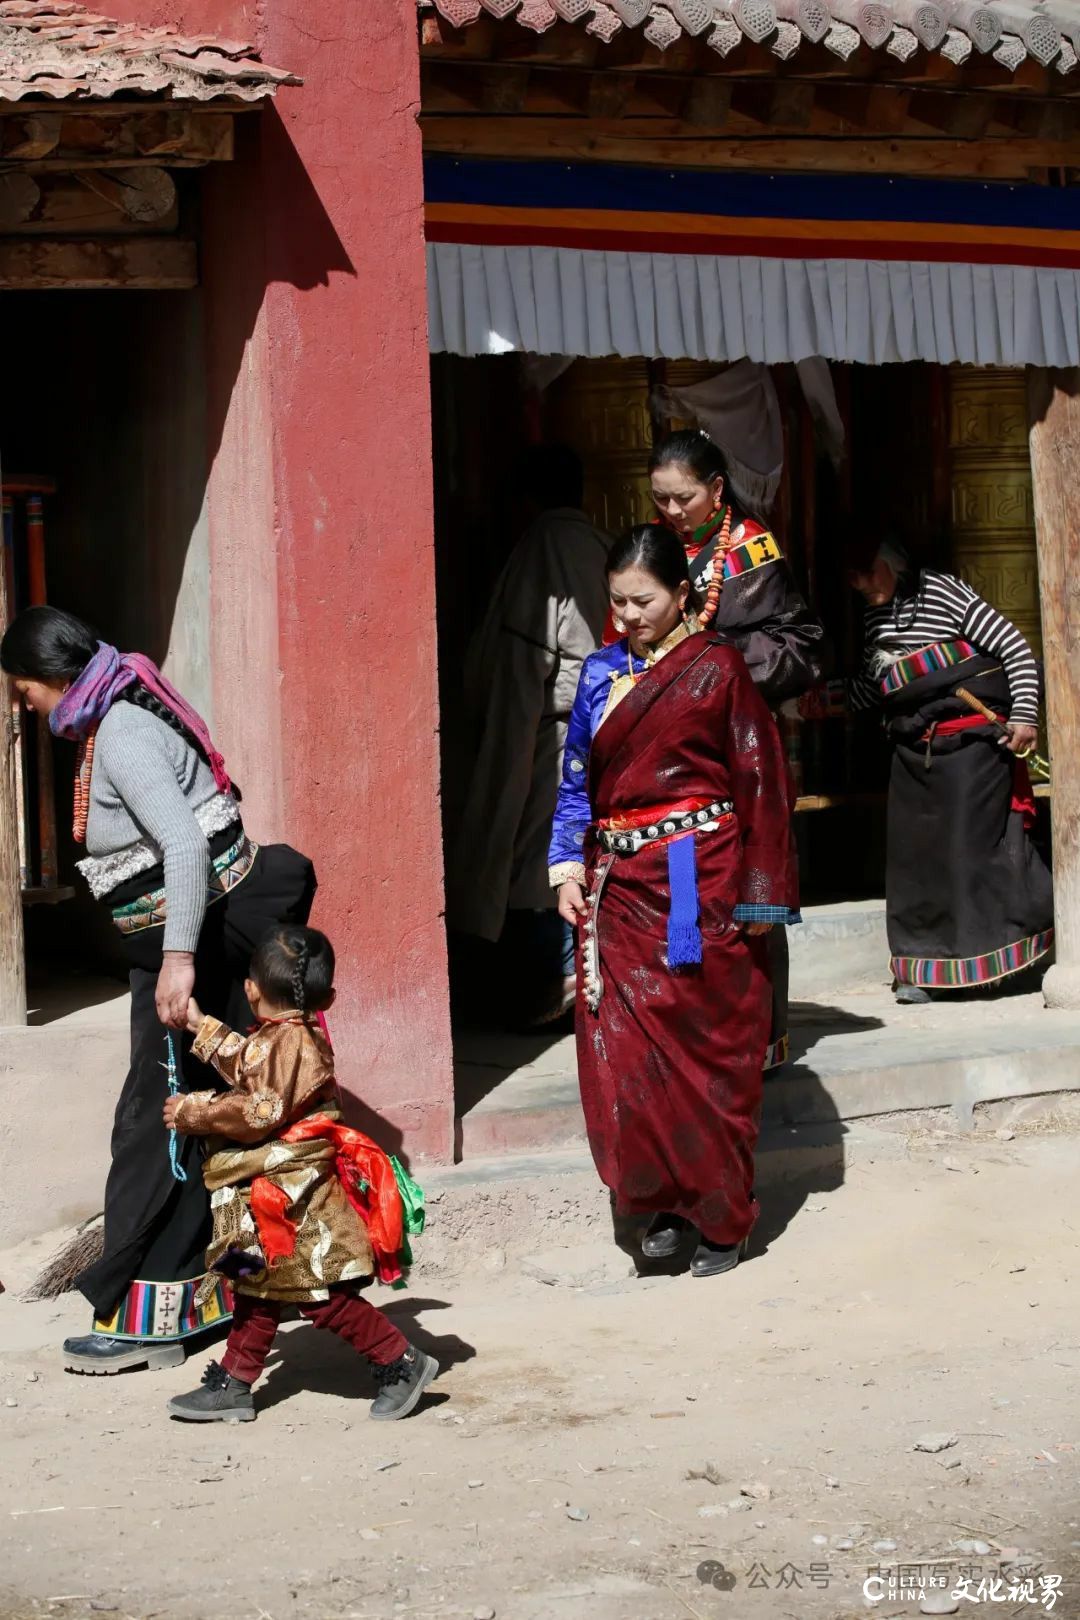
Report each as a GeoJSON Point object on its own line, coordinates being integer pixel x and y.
{"type": "Point", "coordinates": [969, 899]}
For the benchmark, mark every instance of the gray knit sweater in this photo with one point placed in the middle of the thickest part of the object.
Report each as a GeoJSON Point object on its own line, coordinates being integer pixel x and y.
{"type": "Point", "coordinates": [153, 799]}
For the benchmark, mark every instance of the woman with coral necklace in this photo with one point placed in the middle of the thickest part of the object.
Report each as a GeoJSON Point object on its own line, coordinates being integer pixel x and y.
{"type": "Point", "coordinates": [752, 603]}
{"type": "Point", "coordinates": [758, 607]}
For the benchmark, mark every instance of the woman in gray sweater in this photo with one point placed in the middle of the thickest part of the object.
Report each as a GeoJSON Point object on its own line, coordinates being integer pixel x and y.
{"type": "Point", "coordinates": [191, 895]}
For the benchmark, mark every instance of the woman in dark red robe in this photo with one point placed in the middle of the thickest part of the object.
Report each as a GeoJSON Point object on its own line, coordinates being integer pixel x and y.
{"type": "Point", "coordinates": [672, 848]}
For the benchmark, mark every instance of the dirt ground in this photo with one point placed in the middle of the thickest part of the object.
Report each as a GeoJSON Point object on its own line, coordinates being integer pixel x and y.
{"type": "Point", "coordinates": [607, 1446]}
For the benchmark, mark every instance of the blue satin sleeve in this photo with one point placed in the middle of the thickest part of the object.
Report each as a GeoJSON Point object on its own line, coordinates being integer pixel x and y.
{"type": "Point", "coordinates": [572, 811]}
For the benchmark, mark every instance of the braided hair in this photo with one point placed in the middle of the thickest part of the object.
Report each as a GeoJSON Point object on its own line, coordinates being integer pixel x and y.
{"type": "Point", "coordinates": [294, 967]}
{"type": "Point", "coordinates": [143, 698]}
{"type": "Point", "coordinates": [299, 976]}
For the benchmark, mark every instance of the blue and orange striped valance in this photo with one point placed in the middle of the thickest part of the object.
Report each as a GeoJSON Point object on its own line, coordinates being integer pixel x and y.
{"type": "Point", "coordinates": [782, 216]}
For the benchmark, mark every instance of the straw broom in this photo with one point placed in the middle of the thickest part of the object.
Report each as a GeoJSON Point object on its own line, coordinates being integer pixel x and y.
{"type": "Point", "coordinates": [86, 1245]}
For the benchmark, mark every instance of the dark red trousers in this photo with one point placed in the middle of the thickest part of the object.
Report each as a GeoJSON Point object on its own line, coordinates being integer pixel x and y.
{"type": "Point", "coordinates": [255, 1322]}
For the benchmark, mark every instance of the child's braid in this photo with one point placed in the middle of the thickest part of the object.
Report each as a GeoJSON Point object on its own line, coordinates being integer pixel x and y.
{"type": "Point", "coordinates": [300, 977]}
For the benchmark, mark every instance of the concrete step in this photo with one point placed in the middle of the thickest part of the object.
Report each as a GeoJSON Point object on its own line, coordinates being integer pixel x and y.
{"type": "Point", "coordinates": [854, 1057]}
{"type": "Point", "coordinates": [839, 947]}
{"type": "Point", "coordinates": [60, 1077]}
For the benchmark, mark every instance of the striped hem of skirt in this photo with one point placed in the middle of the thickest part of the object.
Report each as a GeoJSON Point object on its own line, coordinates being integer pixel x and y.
{"type": "Point", "coordinates": [960, 972]}
{"type": "Point", "coordinates": [166, 1311]}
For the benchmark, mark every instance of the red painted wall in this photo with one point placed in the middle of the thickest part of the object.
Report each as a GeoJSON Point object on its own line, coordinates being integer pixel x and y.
{"type": "Point", "coordinates": [321, 519]}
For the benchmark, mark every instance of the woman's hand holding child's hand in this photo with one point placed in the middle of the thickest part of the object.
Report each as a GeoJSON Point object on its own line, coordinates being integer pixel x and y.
{"type": "Point", "coordinates": [170, 1111]}
{"type": "Point", "coordinates": [194, 1017]}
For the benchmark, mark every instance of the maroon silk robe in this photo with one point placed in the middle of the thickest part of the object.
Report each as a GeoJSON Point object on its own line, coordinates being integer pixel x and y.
{"type": "Point", "coordinates": [670, 1064]}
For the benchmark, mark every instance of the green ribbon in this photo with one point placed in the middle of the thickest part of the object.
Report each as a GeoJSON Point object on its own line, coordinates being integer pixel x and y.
{"type": "Point", "coordinates": [412, 1211]}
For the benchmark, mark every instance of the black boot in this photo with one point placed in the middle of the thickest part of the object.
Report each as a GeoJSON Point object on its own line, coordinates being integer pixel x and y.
{"type": "Point", "coordinates": [221, 1398]}
{"type": "Point", "coordinates": [401, 1383]}
{"type": "Point", "coordinates": [710, 1259]}
{"type": "Point", "coordinates": [664, 1237]}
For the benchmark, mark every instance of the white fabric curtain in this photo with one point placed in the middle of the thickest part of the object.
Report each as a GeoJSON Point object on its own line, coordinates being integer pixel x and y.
{"type": "Point", "coordinates": [493, 300]}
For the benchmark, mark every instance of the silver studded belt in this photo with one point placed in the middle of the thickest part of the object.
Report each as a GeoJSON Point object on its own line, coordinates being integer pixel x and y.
{"type": "Point", "coordinates": [628, 843]}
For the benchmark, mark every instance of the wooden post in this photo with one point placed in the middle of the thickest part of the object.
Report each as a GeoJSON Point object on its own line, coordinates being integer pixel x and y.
{"type": "Point", "coordinates": [1054, 424]}
{"type": "Point", "coordinates": [12, 957]}
{"type": "Point", "coordinates": [35, 544]}
{"type": "Point", "coordinates": [16, 705]}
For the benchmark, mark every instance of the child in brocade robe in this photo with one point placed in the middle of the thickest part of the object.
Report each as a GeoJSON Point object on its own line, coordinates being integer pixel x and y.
{"type": "Point", "coordinates": [305, 1210]}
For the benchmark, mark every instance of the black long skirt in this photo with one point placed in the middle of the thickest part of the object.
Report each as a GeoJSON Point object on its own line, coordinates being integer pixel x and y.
{"type": "Point", "coordinates": [157, 1226]}
{"type": "Point", "coordinates": [969, 898]}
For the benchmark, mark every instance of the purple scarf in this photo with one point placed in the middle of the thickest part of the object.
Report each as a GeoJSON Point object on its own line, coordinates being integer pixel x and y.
{"type": "Point", "coordinates": [106, 677]}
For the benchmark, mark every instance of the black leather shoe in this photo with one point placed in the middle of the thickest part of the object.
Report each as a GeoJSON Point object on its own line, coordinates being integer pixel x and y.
{"type": "Point", "coordinates": [710, 1259]}
{"type": "Point", "coordinates": [911, 995]}
{"type": "Point", "coordinates": [664, 1237]}
{"type": "Point", "coordinates": [98, 1353]}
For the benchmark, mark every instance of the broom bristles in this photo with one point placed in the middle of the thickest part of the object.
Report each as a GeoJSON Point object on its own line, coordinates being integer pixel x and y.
{"type": "Point", "coordinates": [80, 1251]}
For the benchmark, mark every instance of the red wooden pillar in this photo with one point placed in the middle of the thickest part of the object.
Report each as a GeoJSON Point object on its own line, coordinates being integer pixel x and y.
{"type": "Point", "coordinates": [321, 524]}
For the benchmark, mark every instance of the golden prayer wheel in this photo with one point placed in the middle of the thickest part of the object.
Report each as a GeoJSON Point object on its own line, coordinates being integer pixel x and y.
{"type": "Point", "coordinates": [601, 409]}
{"type": "Point", "coordinates": [993, 521]}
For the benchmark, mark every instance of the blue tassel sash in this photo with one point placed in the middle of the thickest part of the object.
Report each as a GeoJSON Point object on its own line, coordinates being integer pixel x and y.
{"type": "Point", "coordinates": [683, 932]}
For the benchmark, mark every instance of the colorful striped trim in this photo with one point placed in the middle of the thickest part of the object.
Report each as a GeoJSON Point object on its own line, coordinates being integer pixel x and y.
{"type": "Point", "coordinates": [751, 554]}
{"type": "Point", "coordinates": [940, 655]}
{"type": "Point", "coordinates": [956, 973]}
{"type": "Point", "coordinates": [160, 1310]}
{"type": "Point", "coordinates": [777, 1055]}
{"type": "Point", "coordinates": [489, 202]}
{"type": "Point", "coordinates": [226, 873]}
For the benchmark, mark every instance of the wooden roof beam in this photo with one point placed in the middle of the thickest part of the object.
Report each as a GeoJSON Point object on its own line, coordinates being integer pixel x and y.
{"type": "Point", "coordinates": [791, 105]}
{"type": "Point", "coordinates": [71, 140]}
{"type": "Point", "coordinates": [561, 46]}
{"type": "Point", "coordinates": [638, 141]}
{"type": "Point", "coordinates": [31, 263]}
{"type": "Point", "coordinates": [610, 94]}
{"type": "Point", "coordinates": [708, 102]}
{"type": "Point", "coordinates": [503, 88]}
{"type": "Point", "coordinates": [444, 90]}
{"type": "Point", "coordinates": [966, 117]}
